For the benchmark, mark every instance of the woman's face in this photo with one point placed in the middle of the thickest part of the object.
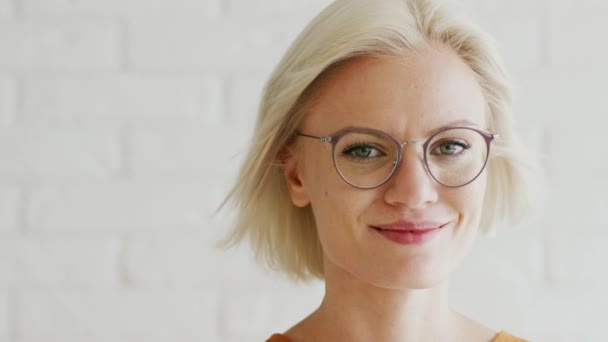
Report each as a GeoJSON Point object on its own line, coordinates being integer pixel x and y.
{"type": "Point", "coordinates": [407, 98]}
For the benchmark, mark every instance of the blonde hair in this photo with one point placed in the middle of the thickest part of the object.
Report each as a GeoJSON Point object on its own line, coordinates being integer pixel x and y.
{"type": "Point", "coordinates": [284, 235]}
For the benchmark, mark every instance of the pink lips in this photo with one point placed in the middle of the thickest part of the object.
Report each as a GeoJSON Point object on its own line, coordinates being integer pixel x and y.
{"type": "Point", "coordinates": [410, 225]}
{"type": "Point", "coordinates": [408, 232]}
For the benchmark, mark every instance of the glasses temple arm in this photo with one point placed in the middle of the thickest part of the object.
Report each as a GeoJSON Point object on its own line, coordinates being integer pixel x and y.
{"type": "Point", "coordinates": [322, 139]}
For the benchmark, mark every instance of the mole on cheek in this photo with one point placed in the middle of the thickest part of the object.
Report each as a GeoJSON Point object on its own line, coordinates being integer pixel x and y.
{"type": "Point", "coordinates": [326, 193]}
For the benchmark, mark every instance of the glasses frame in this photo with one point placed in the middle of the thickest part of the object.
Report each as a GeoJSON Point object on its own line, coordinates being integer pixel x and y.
{"type": "Point", "coordinates": [335, 138]}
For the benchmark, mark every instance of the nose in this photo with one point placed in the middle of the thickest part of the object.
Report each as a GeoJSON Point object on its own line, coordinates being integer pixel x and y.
{"type": "Point", "coordinates": [411, 185]}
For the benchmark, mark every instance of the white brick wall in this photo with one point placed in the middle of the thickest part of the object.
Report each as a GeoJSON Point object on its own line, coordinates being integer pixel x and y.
{"type": "Point", "coordinates": [117, 315]}
{"type": "Point", "coordinates": [188, 151]}
{"type": "Point", "coordinates": [9, 209]}
{"type": "Point", "coordinates": [226, 44]}
{"type": "Point", "coordinates": [243, 98]}
{"type": "Point", "coordinates": [33, 152]}
{"type": "Point", "coordinates": [122, 7]}
{"type": "Point", "coordinates": [59, 44]}
{"type": "Point", "coordinates": [520, 44]}
{"type": "Point", "coordinates": [115, 114]}
{"type": "Point", "coordinates": [584, 45]}
{"type": "Point", "coordinates": [117, 98]}
{"type": "Point", "coordinates": [7, 101]}
{"type": "Point", "coordinates": [5, 317]}
{"type": "Point", "coordinates": [272, 8]}
{"type": "Point", "coordinates": [57, 263]}
{"type": "Point", "coordinates": [105, 208]}
{"type": "Point", "coordinates": [6, 8]}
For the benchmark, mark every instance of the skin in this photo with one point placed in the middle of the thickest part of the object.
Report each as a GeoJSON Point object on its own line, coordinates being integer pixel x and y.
{"type": "Point", "coordinates": [376, 289]}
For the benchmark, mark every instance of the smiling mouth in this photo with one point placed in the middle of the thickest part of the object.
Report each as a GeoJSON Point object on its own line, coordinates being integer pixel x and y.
{"type": "Point", "coordinates": [410, 230]}
{"type": "Point", "coordinates": [409, 237]}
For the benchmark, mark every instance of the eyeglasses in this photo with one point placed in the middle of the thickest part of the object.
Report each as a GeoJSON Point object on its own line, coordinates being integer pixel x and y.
{"type": "Point", "coordinates": [367, 158]}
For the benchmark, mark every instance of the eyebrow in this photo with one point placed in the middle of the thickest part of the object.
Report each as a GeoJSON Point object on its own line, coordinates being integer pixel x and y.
{"type": "Point", "coordinates": [455, 123]}
{"type": "Point", "coordinates": [461, 122]}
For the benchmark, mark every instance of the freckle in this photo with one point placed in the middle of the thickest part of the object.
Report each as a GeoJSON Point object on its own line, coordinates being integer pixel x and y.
{"type": "Point", "coordinates": [325, 193]}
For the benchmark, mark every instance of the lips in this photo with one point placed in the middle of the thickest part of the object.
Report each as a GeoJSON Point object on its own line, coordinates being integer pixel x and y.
{"type": "Point", "coordinates": [410, 233]}
{"type": "Point", "coordinates": [410, 226]}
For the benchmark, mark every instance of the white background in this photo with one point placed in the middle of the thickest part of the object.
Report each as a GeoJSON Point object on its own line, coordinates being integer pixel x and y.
{"type": "Point", "coordinates": [122, 123]}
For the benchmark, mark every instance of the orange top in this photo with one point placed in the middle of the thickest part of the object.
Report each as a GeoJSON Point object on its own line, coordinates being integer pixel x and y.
{"type": "Point", "coordinates": [501, 337]}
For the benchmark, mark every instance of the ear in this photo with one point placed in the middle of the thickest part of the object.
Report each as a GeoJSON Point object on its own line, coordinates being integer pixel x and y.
{"type": "Point", "coordinates": [293, 179]}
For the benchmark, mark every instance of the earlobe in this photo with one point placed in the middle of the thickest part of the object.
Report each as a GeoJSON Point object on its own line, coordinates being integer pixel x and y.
{"type": "Point", "coordinates": [297, 190]}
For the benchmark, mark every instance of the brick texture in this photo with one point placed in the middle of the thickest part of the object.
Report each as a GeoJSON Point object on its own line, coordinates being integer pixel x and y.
{"type": "Point", "coordinates": [577, 44]}
{"type": "Point", "coordinates": [5, 317]}
{"type": "Point", "coordinates": [52, 45]}
{"type": "Point", "coordinates": [61, 152]}
{"type": "Point", "coordinates": [141, 315]}
{"type": "Point", "coordinates": [9, 209]}
{"type": "Point", "coordinates": [7, 101]}
{"type": "Point", "coordinates": [121, 207]}
{"type": "Point", "coordinates": [188, 151]}
{"type": "Point", "coordinates": [136, 8]}
{"type": "Point", "coordinates": [6, 8]}
{"type": "Point", "coordinates": [230, 44]}
{"type": "Point", "coordinates": [59, 263]}
{"type": "Point", "coordinates": [120, 99]}
{"type": "Point", "coordinates": [266, 8]}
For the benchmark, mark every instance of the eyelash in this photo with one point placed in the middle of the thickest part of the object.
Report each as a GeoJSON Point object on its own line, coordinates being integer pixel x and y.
{"type": "Point", "coordinates": [462, 144]}
{"type": "Point", "coordinates": [347, 151]}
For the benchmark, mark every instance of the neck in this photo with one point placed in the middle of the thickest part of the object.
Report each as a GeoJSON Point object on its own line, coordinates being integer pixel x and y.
{"type": "Point", "coordinates": [353, 310]}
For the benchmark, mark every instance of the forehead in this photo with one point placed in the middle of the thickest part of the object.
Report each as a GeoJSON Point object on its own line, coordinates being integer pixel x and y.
{"type": "Point", "coordinates": [401, 95]}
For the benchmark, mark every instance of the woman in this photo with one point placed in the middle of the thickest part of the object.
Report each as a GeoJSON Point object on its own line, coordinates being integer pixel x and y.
{"type": "Point", "coordinates": [383, 145]}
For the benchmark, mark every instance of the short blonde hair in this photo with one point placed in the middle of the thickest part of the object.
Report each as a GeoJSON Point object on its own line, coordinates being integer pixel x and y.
{"type": "Point", "coordinates": [284, 235]}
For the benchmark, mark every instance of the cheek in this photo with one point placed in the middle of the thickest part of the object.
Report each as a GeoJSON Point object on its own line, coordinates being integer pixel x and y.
{"type": "Point", "coordinates": [319, 172]}
{"type": "Point", "coordinates": [338, 209]}
{"type": "Point", "coordinates": [339, 228]}
{"type": "Point", "coordinates": [335, 221]}
{"type": "Point", "coordinates": [326, 190]}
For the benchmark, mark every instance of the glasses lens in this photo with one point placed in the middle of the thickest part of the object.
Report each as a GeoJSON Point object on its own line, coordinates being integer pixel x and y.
{"type": "Point", "coordinates": [365, 159]}
{"type": "Point", "coordinates": [456, 156]}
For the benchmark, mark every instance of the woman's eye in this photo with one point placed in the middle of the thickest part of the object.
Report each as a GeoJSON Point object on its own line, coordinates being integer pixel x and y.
{"type": "Point", "coordinates": [451, 148]}
{"type": "Point", "coordinates": [362, 152]}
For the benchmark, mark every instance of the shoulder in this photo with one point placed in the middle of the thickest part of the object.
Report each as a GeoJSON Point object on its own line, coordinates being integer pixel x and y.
{"type": "Point", "coordinates": [500, 337]}
{"type": "Point", "coordinates": [472, 330]}
{"type": "Point", "coordinates": [278, 338]}
{"type": "Point", "coordinates": [504, 336]}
